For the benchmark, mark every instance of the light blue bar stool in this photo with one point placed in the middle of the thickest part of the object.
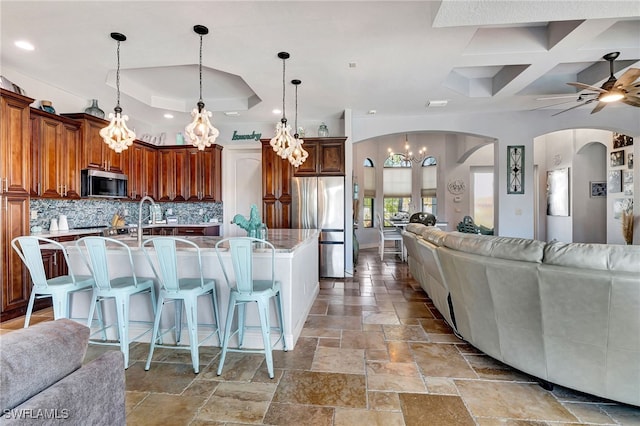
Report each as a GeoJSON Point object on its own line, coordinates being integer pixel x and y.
{"type": "Point", "coordinates": [245, 289]}
{"type": "Point", "coordinates": [59, 288]}
{"type": "Point", "coordinates": [182, 291]}
{"type": "Point", "coordinates": [94, 253]}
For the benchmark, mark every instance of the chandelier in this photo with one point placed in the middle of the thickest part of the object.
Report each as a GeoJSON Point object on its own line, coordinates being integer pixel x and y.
{"type": "Point", "coordinates": [295, 152]}
{"type": "Point", "coordinates": [283, 140]}
{"type": "Point", "coordinates": [407, 156]}
{"type": "Point", "coordinates": [117, 135]}
{"type": "Point", "coordinates": [200, 132]}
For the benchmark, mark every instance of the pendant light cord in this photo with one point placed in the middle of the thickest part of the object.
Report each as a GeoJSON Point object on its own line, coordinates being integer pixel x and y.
{"type": "Point", "coordinates": [200, 67]}
{"type": "Point", "coordinates": [118, 76]}
{"type": "Point", "coordinates": [284, 116]}
{"type": "Point", "coordinates": [296, 120]}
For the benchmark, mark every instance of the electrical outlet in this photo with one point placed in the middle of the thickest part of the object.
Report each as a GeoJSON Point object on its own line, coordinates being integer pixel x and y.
{"type": "Point", "coordinates": [34, 215]}
{"type": "Point", "coordinates": [126, 212]}
{"type": "Point", "coordinates": [201, 211]}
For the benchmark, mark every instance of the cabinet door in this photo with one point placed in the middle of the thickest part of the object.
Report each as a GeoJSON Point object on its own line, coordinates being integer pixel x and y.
{"type": "Point", "coordinates": [135, 174]}
{"type": "Point", "coordinates": [149, 171]}
{"type": "Point", "coordinates": [331, 158]}
{"type": "Point", "coordinates": [69, 161]}
{"type": "Point", "coordinates": [181, 175]}
{"type": "Point", "coordinates": [211, 174]}
{"type": "Point", "coordinates": [15, 146]}
{"type": "Point", "coordinates": [276, 188]}
{"type": "Point", "coordinates": [310, 166]}
{"type": "Point", "coordinates": [194, 180]}
{"type": "Point", "coordinates": [93, 145]}
{"type": "Point", "coordinates": [50, 135]}
{"type": "Point", "coordinates": [16, 284]}
{"type": "Point", "coordinates": [36, 158]}
{"type": "Point", "coordinates": [115, 161]}
{"type": "Point", "coordinates": [166, 174]}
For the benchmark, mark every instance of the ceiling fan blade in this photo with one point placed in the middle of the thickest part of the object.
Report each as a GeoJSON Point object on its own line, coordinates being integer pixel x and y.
{"type": "Point", "coordinates": [583, 86]}
{"type": "Point", "coordinates": [573, 107]}
{"type": "Point", "coordinates": [552, 105]}
{"type": "Point", "coordinates": [631, 100]}
{"type": "Point", "coordinates": [628, 77]}
{"type": "Point", "coordinates": [599, 107]}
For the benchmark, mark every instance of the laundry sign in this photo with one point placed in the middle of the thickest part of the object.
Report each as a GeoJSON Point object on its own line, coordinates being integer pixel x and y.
{"type": "Point", "coordinates": [238, 137]}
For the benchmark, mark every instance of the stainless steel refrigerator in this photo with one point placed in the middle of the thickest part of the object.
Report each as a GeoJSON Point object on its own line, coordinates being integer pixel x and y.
{"type": "Point", "coordinates": [318, 203]}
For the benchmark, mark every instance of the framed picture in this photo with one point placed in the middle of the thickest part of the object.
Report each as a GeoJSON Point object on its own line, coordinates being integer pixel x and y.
{"type": "Point", "coordinates": [619, 204]}
{"type": "Point", "coordinates": [515, 169]}
{"type": "Point", "coordinates": [558, 192]}
{"type": "Point", "coordinates": [598, 189]}
{"type": "Point", "coordinates": [627, 182]}
{"type": "Point", "coordinates": [617, 158]}
{"type": "Point", "coordinates": [614, 183]}
{"type": "Point", "coordinates": [630, 160]}
{"type": "Point", "coordinates": [620, 140]}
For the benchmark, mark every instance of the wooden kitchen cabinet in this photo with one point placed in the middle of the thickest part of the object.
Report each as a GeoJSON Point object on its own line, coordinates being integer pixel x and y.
{"type": "Point", "coordinates": [55, 156]}
{"type": "Point", "coordinates": [15, 178]}
{"type": "Point", "coordinates": [173, 174]}
{"type": "Point", "coordinates": [204, 182]}
{"type": "Point", "coordinates": [326, 157]}
{"type": "Point", "coordinates": [95, 153]}
{"type": "Point", "coordinates": [142, 169]}
{"type": "Point", "coordinates": [276, 188]}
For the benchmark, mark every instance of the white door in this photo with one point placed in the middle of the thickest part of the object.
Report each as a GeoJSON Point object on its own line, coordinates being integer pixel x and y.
{"type": "Point", "coordinates": [242, 185]}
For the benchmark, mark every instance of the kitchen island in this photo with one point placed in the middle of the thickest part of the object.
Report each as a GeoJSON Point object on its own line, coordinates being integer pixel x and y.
{"type": "Point", "coordinates": [296, 267]}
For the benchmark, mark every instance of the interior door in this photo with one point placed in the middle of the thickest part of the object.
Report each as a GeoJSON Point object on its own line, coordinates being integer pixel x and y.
{"type": "Point", "coordinates": [242, 186]}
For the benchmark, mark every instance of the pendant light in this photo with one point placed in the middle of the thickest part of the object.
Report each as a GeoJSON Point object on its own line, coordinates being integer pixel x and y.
{"type": "Point", "coordinates": [200, 132]}
{"type": "Point", "coordinates": [296, 153]}
{"type": "Point", "coordinates": [117, 135]}
{"type": "Point", "coordinates": [283, 139]}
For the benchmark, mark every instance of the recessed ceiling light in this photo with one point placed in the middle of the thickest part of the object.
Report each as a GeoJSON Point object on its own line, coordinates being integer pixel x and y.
{"type": "Point", "coordinates": [167, 115]}
{"type": "Point", "coordinates": [277, 111]}
{"type": "Point", "coordinates": [352, 64]}
{"type": "Point", "coordinates": [431, 104]}
{"type": "Point", "coordinates": [230, 113]}
{"type": "Point", "coordinates": [23, 44]}
{"type": "Point", "coordinates": [372, 111]}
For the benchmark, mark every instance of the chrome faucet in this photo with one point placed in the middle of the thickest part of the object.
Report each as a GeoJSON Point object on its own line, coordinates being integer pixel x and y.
{"type": "Point", "coordinates": [145, 198]}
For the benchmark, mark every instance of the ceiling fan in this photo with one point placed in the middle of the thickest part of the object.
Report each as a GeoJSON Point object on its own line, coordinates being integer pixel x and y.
{"type": "Point", "coordinates": [624, 89]}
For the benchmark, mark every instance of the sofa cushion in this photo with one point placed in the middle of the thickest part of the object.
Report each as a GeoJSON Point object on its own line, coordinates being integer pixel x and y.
{"type": "Point", "coordinates": [593, 256]}
{"type": "Point", "coordinates": [32, 359]}
{"type": "Point", "coordinates": [508, 248]}
{"type": "Point", "coordinates": [434, 235]}
{"type": "Point", "coordinates": [415, 228]}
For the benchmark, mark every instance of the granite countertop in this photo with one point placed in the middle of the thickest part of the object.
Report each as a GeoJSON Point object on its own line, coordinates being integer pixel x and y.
{"type": "Point", "coordinates": [284, 240]}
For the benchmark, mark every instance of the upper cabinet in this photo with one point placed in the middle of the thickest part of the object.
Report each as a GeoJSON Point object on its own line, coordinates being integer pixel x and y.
{"type": "Point", "coordinates": [173, 174]}
{"type": "Point", "coordinates": [141, 170]}
{"type": "Point", "coordinates": [276, 188]}
{"type": "Point", "coordinates": [15, 153]}
{"type": "Point", "coordinates": [55, 156]}
{"type": "Point", "coordinates": [326, 157]}
{"type": "Point", "coordinates": [95, 153]}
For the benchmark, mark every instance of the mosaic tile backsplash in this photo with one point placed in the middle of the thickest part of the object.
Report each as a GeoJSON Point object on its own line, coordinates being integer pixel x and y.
{"type": "Point", "coordinates": [92, 212]}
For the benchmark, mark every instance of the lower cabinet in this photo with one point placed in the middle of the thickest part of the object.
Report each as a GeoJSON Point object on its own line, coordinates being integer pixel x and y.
{"type": "Point", "coordinates": [208, 231]}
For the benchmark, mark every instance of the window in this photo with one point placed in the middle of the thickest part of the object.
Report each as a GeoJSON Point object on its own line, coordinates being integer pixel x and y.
{"type": "Point", "coordinates": [396, 187]}
{"type": "Point", "coordinates": [482, 178]}
{"type": "Point", "coordinates": [369, 193]}
{"type": "Point", "coordinates": [429, 185]}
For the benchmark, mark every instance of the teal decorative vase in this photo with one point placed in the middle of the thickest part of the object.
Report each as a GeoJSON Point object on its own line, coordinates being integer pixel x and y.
{"type": "Point", "coordinates": [94, 109]}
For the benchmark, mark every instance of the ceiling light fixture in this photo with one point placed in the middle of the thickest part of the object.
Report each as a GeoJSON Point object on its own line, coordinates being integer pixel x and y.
{"type": "Point", "coordinates": [296, 153]}
{"type": "Point", "coordinates": [117, 135]}
{"type": "Point", "coordinates": [283, 139]}
{"type": "Point", "coordinates": [200, 132]}
{"type": "Point", "coordinates": [407, 156]}
{"type": "Point", "coordinates": [25, 45]}
{"type": "Point", "coordinates": [167, 115]}
{"type": "Point", "coordinates": [612, 96]}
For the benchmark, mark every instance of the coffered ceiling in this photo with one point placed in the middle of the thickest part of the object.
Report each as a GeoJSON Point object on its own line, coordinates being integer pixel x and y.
{"type": "Point", "coordinates": [393, 57]}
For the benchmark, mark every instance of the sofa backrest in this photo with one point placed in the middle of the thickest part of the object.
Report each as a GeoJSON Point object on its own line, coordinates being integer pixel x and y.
{"type": "Point", "coordinates": [34, 358]}
{"type": "Point", "coordinates": [508, 248]}
{"type": "Point", "coordinates": [605, 257]}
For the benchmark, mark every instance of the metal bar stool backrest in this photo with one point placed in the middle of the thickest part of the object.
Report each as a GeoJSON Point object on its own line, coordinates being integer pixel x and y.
{"type": "Point", "coordinates": [241, 250]}
{"type": "Point", "coordinates": [96, 259]}
{"type": "Point", "coordinates": [30, 253]}
{"type": "Point", "coordinates": [167, 255]}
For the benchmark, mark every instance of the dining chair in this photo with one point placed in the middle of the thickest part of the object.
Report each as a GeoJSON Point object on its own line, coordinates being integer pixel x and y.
{"type": "Point", "coordinates": [183, 292]}
{"type": "Point", "coordinates": [244, 288]}
{"type": "Point", "coordinates": [58, 288]}
{"type": "Point", "coordinates": [385, 235]}
{"type": "Point", "coordinates": [95, 252]}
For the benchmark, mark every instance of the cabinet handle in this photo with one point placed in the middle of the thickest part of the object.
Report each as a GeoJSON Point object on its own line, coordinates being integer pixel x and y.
{"type": "Point", "coordinates": [39, 189]}
{"type": "Point", "coordinates": [65, 190]}
{"type": "Point", "coordinates": [6, 184]}
{"type": "Point", "coordinates": [6, 204]}
{"type": "Point", "coordinates": [55, 259]}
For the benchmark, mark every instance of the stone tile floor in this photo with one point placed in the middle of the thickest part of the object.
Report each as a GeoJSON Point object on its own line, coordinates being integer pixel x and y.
{"type": "Point", "coordinates": [374, 351]}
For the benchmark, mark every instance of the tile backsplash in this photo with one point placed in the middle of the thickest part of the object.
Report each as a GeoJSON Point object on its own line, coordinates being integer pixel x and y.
{"type": "Point", "coordinates": [96, 212]}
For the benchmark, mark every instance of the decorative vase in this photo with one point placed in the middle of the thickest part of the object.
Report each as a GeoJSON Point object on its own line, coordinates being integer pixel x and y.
{"type": "Point", "coordinates": [323, 131]}
{"type": "Point", "coordinates": [47, 106]}
{"type": "Point", "coordinates": [94, 109]}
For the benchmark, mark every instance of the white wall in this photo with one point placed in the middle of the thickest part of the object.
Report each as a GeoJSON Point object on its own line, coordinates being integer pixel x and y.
{"type": "Point", "coordinates": [589, 213]}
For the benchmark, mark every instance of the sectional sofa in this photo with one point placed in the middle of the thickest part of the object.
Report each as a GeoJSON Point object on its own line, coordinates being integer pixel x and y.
{"type": "Point", "coordinates": [566, 313]}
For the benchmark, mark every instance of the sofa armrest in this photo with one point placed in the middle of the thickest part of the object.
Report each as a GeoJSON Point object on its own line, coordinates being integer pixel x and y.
{"type": "Point", "coordinates": [91, 395]}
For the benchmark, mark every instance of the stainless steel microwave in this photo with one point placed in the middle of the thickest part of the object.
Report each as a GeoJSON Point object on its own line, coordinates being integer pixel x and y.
{"type": "Point", "coordinates": [100, 183]}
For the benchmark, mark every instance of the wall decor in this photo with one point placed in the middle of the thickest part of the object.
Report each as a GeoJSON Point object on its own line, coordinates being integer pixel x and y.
{"type": "Point", "coordinates": [598, 189]}
{"type": "Point", "coordinates": [620, 140]}
{"type": "Point", "coordinates": [617, 158]}
{"type": "Point", "coordinates": [515, 169]}
{"type": "Point", "coordinates": [622, 205]}
{"type": "Point", "coordinates": [630, 160]}
{"type": "Point", "coordinates": [456, 186]}
{"type": "Point", "coordinates": [558, 192]}
{"type": "Point", "coordinates": [627, 182]}
{"type": "Point", "coordinates": [614, 183]}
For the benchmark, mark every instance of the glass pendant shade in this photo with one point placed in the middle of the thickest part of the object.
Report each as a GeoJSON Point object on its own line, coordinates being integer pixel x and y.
{"type": "Point", "coordinates": [117, 135]}
{"type": "Point", "coordinates": [200, 132]}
